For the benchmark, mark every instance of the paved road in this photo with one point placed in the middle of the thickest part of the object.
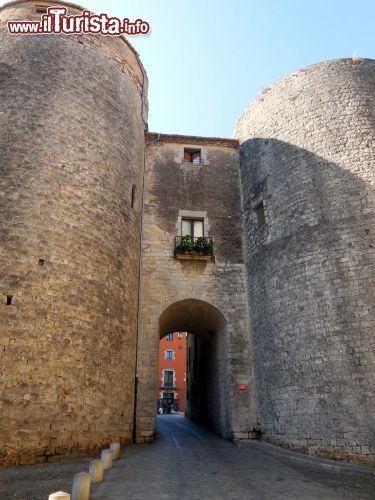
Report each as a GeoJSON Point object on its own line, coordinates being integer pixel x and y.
{"type": "Point", "coordinates": [187, 462]}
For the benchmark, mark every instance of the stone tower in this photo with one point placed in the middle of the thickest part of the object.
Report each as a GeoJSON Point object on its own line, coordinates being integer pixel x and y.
{"type": "Point", "coordinates": [73, 112]}
{"type": "Point", "coordinates": [307, 174]}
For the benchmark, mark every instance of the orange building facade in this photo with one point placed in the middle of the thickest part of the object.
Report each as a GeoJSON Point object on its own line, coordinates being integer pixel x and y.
{"type": "Point", "coordinates": [171, 389]}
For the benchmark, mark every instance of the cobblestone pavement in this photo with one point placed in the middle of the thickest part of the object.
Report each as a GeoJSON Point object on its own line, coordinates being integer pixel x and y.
{"type": "Point", "coordinates": [188, 462]}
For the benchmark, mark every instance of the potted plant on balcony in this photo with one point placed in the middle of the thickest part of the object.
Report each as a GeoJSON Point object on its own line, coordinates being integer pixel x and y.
{"type": "Point", "coordinates": [187, 244]}
{"type": "Point", "coordinates": [208, 250]}
{"type": "Point", "coordinates": [179, 249]}
{"type": "Point", "coordinates": [200, 245]}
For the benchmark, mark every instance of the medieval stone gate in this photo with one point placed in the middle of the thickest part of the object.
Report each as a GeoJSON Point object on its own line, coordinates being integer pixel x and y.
{"type": "Point", "coordinates": [206, 297]}
{"type": "Point", "coordinates": [283, 302]}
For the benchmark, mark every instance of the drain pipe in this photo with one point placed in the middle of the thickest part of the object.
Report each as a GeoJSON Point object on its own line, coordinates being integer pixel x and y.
{"type": "Point", "coordinates": [140, 255]}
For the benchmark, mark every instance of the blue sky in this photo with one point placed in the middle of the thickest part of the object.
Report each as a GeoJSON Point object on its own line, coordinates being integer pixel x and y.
{"type": "Point", "coordinates": [207, 60]}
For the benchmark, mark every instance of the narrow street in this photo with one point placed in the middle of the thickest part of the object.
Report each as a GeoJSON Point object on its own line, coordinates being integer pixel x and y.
{"type": "Point", "coordinates": [188, 462]}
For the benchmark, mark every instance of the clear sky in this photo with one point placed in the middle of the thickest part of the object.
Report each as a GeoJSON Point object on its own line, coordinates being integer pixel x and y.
{"type": "Point", "coordinates": [207, 60]}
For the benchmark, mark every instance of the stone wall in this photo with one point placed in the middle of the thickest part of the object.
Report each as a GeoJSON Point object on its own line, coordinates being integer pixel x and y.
{"type": "Point", "coordinates": [307, 152]}
{"type": "Point", "coordinates": [71, 148]}
{"type": "Point", "coordinates": [194, 295]}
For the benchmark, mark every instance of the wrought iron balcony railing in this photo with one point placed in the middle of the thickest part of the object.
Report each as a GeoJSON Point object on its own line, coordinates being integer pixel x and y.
{"type": "Point", "coordinates": [167, 385]}
{"type": "Point", "coordinates": [201, 246]}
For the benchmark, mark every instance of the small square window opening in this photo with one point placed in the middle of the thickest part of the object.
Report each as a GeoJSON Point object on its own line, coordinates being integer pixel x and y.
{"type": "Point", "coordinates": [192, 155]}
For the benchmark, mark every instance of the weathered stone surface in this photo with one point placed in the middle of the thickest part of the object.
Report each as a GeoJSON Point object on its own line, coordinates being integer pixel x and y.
{"type": "Point", "coordinates": [71, 148]}
{"type": "Point", "coordinates": [307, 150]}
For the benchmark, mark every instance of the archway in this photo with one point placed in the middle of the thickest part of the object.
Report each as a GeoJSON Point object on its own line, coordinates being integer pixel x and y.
{"type": "Point", "coordinates": [206, 373]}
{"type": "Point", "coordinates": [210, 401]}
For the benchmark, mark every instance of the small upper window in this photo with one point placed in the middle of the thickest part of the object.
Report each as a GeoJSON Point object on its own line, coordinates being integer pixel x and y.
{"type": "Point", "coordinates": [192, 155]}
{"type": "Point", "coordinates": [170, 336]}
{"type": "Point", "coordinates": [179, 335]}
{"type": "Point", "coordinates": [169, 354]}
{"type": "Point", "coordinates": [259, 210]}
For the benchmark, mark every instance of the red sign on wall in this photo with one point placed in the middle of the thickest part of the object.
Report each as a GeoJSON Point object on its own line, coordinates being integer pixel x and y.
{"type": "Point", "coordinates": [242, 387]}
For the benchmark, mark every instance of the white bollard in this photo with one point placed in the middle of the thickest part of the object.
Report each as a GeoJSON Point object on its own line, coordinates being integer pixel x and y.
{"type": "Point", "coordinates": [106, 458]}
{"type": "Point", "coordinates": [59, 495]}
{"type": "Point", "coordinates": [96, 471]}
{"type": "Point", "coordinates": [115, 447]}
{"type": "Point", "coordinates": [81, 486]}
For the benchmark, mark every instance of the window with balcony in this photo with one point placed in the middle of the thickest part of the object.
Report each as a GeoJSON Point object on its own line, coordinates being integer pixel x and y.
{"type": "Point", "coordinates": [168, 378]}
{"type": "Point", "coordinates": [192, 242]}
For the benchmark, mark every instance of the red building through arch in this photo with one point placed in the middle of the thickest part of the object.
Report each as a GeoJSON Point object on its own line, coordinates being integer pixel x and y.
{"type": "Point", "coordinates": [171, 384]}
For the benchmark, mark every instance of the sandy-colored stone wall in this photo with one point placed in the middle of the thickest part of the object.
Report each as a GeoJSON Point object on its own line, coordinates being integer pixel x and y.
{"type": "Point", "coordinates": [212, 294]}
{"type": "Point", "coordinates": [307, 151]}
{"type": "Point", "coordinates": [71, 148]}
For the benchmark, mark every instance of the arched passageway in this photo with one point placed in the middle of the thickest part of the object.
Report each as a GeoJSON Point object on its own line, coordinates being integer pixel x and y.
{"type": "Point", "coordinates": [206, 373]}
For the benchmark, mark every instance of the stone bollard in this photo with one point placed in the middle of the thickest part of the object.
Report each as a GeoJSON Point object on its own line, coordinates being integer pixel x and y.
{"type": "Point", "coordinates": [81, 486]}
{"type": "Point", "coordinates": [59, 495]}
{"type": "Point", "coordinates": [106, 458]}
{"type": "Point", "coordinates": [96, 471]}
{"type": "Point", "coordinates": [115, 447]}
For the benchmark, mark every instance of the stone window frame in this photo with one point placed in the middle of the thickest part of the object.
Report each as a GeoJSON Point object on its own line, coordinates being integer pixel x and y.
{"type": "Point", "coordinates": [193, 214]}
{"type": "Point", "coordinates": [204, 159]}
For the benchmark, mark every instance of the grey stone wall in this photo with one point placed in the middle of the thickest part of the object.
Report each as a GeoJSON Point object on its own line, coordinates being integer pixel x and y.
{"type": "Point", "coordinates": [192, 295]}
{"type": "Point", "coordinates": [307, 151]}
{"type": "Point", "coordinates": [71, 147]}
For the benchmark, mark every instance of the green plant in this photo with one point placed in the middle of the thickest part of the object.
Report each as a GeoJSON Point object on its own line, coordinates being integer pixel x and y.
{"type": "Point", "coordinates": [187, 243]}
{"type": "Point", "coordinates": [200, 244]}
{"type": "Point", "coordinates": [188, 246]}
{"type": "Point", "coordinates": [208, 250]}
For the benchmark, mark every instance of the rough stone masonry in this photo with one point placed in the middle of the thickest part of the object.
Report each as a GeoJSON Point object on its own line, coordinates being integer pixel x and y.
{"type": "Point", "coordinates": [282, 314]}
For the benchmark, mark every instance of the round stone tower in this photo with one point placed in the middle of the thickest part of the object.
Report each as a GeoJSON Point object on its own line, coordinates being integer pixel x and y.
{"type": "Point", "coordinates": [73, 113]}
{"type": "Point", "coordinates": [308, 180]}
